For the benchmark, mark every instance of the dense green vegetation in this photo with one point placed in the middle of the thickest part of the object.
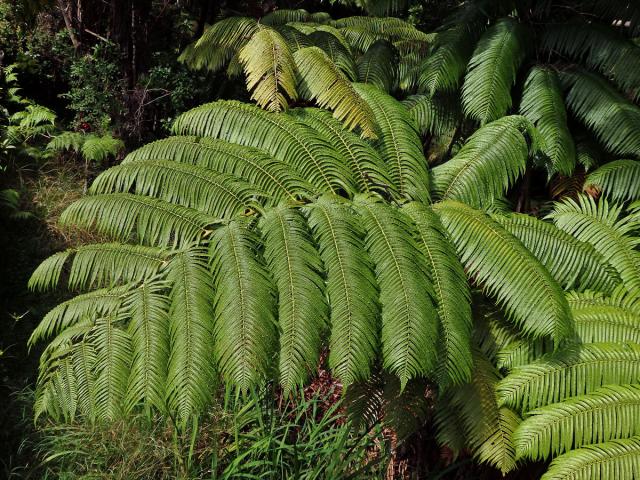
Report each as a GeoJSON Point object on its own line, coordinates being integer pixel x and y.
{"type": "Point", "coordinates": [377, 239]}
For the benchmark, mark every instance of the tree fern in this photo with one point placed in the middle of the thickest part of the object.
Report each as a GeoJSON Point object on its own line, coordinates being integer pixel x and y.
{"type": "Point", "coordinates": [486, 92]}
{"type": "Point", "coordinates": [542, 103]}
{"type": "Point", "coordinates": [378, 66]}
{"type": "Point", "coordinates": [606, 413]}
{"type": "Point", "coordinates": [618, 180]}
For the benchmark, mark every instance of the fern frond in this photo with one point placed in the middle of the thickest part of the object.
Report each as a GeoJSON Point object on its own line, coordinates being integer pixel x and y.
{"type": "Point", "coordinates": [614, 459]}
{"type": "Point", "coordinates": [606, 413]}
{"type": "Point", "coordinates": [336, 47]}
{"type": "Point", "coordinates": [254, 166]}
{"type": "Point", "coordinates": [486, 92]}
{"type": "Point", "coordinates": [244, 325]}
{"type": "Point", "coordinates": [279, 135]}
{"type": "Point", "coordinates": [614, 120]}
{"type": "Point", "coordinates": [148, 307]}
{"type": "Point", "coordinates": [152, 221]}
{"type": "Point", "coordinates": [378, 65]}
{"type": "Point", "coordinates": [97, 149]}
{"type": "Point", "coordinates": [190, 369]}
{"type": "Point", "coordinates": [351, 288]}
{"type": "Point", "coordinates": [67, 141]}
{"type": "Point", "coordinates": [371, 171]}
{"type": "Point", "coordinates": [398, 143]}
{"type": "Point", "coordinates": [600, 225]}
{"type": "Point", "coordinates": [323, 81]}
{"type": "Point", "coordinates": [494, 157]}
{"type": "Point", "coordinates": [618, 180]}
{"type": "Point", "coordinates": [574, 264]}
{"type": "Point", "coordinates": [507, 271]}
{"type": "Point", "coordinates": [409, 316]}
{"type": "Point", "coordinates": [282, 16]}
{"type": "Point", "coordinates": [269, 69]}
{"type": "Point", "coordinates": [219, 195]}
{"type": "Point", "coordinates": [295, 266]}
{"type": "Point", "coordinates": [574, 370]}
{"type": "Point", "coordinates": [542, 103]}
{"type": "Point", "coordinates": [434, 115]}
{"type": "Point", "coordinates": [451, 293]}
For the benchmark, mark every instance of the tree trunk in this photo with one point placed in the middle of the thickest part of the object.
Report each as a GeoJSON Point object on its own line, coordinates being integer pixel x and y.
{"type": "Point", "coordinates": [68, 22]}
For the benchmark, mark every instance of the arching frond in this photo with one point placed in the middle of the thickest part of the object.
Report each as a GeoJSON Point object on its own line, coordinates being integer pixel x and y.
{"type": "Point", "coordinates": [378, 65]}
{"type": "Point", "coordinates": [336, 48]}
{"type": "Point", "coordinates": [99, 265]}
{"type": "Point", "coordinates": [219, 42]}
{"type": "Point", "coordinates": [507, 270]}
{"type": "Point", "coordinates": [219, 195]}
{"type": "Point", "coordinates": [488, 164]}
{"type": "Point", "coordinates": [600, 225]}
{"type": "Point", "coordinates": [451, 293]}
{"type": "Point", "coordinates": [190, 368]}
{"type": "Point", "coordinates": [283, 16]}
{"type": "Point", "coordinates": [574, 264]}
{"type": "Point", "coordinates": [618, 180]}
{"type": "Point", "coordinates": [409, 316]}
{"type": "Point", "coordinates": [486, 92]}
{"type": "Point", "coordinates": [255, 166]}
{"type": "Point", "coordinates": [279, 135]}
{"type": "Point", "coordinates": [398, 143]}
{"type": "Point", "coordinates": [614, 120]}
{"type": "Point", "coordinates": [371, 171]}
{"type": "Point", "coordinates": [542, 103]}
{"type": "Point", "coordinates": [95, 304]}
{"type": "Point", "coordinates": [620, 458]}
{"type": "Point", "coordinates": [152, 221]}
{"type": "Point", "coordinates": [323, 81]}
{"type": "Point", "coordinates": [244, 326]}
{"type": "Point", "coordinates": [571, 371]}
{"type": "Point", "coordinates": [606, 413]}
{"type": "Point", "coordinates": [433, 115]}
{"type": "Point", "coordinates": [295, 266]}
{"type": "Point", "coordinates": [148, 309]}
{"type": "Point", "coordinates": [269, 69]}
{"type": "Point", "coordinates": [351, 288]}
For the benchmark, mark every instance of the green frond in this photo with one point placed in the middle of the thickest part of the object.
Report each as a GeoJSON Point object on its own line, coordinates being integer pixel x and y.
{"type": "Point", "coordinates": [148, 309]}
{"type": "Point", "coordinates": [398, 143]}
{"type": "Point", "coordinates": [362, 32]}
{"type": "Point", "coordinates": [269, 69]}
{"type": "Point", "coordinates": [434, 115]}
{"type": "Point", "coordinates": [84, 360]}
{"type": "Point", "coordinates": [218, 43]}
{"type": "Point", "coordinates": [97, 149]}
{"type": "Point", "coordinates": [451, 293]}
{"type": "Point", "coordinates": [600, 225]}
{"type": "Point", "coordinates": [613, 119]}
{"type": "Point", "coordinates": [409, 315]}
{"type": "Point", "coordinates": [599, 319]}
{"type": "Point", "coordinates": [575, 265]}
{"type": "Point", "coordinates": [283, 16]}
{"type": "Point", "coordinates": [599, 47]}
{"type": "Point", "coordinates": [588, 155]}
{"type": "Point", "coordinates": [574, 370]}
{"type": "Point", "coordinates": [618, 180]}
{"type": "Point", "coordinates": [488, 427]}
{"type": "Point", "coordinates": [351, 289]}
{"type": "Point", "coordinates": [491, 161]}
{"type": "Point", "coordinates": [279, 135]}
{"type": "Point", "coordinates": [67, 141]}
{"type": "Point", "coordinates": [151, 221]}
{"type": "Point", "coordinates": [294, 37]}
{"type": "Point", "coordinates": [506, 270]}
{"type": "Point", "coordinates": [378, 65]}
{"type": "Point", "coordinates": [113, 352]}
{"type": "Point", "coordinates": [254, 166]}
{"type": "Point", "coordinates": [295, 266]}
{"type": "Point", "coordinates": [322, 81]}
{"type": "Point", "coordinates": [607, 413]}
{"type": "Point", "coordinates": [618, 459]}
{"type": "Point", "coordinates": [371, 171]}
{"type": "Point", "coordinates": [543, 104]}
{"type": "Point", "coordinates": [337, 49]}
{"type": "Point", "coordinates": [486, 92]}
{"type": "Point", "coordinates": [99, 265]}
{"type": "Point", "coordinates": [190, 369]}
{"type": "Point", "coordinates": [216, 194]}
{"type": "Point", "coordinates": [522, 351]}
{"type": "Point", "coordinates": [34, 116]}
{"type": "Point", "coordinates": [244, 326]}
{"type": "Point", "coordinates": [102, 302]}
